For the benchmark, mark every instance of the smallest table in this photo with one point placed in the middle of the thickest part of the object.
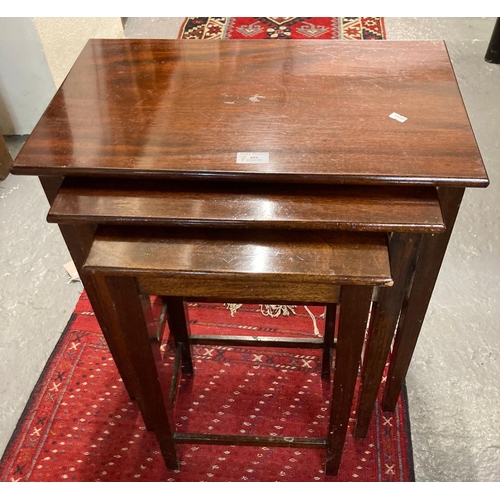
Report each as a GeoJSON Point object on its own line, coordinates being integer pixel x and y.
{"type": "Point", "coordinates": [217, 265]}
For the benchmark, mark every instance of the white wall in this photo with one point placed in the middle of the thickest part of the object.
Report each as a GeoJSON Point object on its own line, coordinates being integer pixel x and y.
{"type": "Point", "coordinates": [63, 38]}
{"type": "Point", "coordinates": [26, 84]}
{"type": "Point", "coordinates": [36, 54]}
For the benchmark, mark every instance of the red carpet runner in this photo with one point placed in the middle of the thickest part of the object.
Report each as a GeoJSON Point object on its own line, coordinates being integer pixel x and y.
{"type": "Point", "coordinates": [79, 424]}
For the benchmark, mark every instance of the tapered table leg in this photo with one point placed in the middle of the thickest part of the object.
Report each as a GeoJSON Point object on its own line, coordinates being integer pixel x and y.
{"type": "Point", "coordinates": [78, 239]}
{"type": "Point", "coordinates": [178, 324]}
{"type": "Point", "coordinates": [328, 341]}
{"type": "Point", "coordinates": [355, 304]}
{"type": "Point", "coordinates": [427, 268]}
{"type": "Point", "coordinates": [127, 326]}
{"type": "Point", "coordinates": [403, 251]}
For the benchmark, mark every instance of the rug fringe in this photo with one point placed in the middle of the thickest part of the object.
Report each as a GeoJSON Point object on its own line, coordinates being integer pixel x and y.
{"type": "Point", "coordinates": [233, 308]}
{"type": "Point", "coordinates": [274, 311]}
{"type": "Point", "coordinates": [316, 331]}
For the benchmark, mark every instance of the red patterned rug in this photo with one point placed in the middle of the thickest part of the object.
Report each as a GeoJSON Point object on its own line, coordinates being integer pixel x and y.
{"type": "Point", "coordinates": [343, 28]}
{"type": "Point", "coordinates": [79, 424]}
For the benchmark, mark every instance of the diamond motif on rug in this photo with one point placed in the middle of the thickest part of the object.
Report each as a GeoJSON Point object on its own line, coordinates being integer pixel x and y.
{"type": "Point", "coordinates": [343, 28]}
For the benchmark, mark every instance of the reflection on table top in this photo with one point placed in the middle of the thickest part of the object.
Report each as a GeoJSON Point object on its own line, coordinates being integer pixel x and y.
{"type": "Point", "coordinates": [320, 109]}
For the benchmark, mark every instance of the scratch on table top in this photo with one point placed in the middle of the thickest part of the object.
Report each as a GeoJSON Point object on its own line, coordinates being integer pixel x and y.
{"type": "Point", "coordinates": [256, 98]}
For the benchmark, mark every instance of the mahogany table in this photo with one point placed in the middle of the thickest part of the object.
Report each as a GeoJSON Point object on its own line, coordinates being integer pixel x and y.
{"type": "Point", "coordinates": [316, 114]}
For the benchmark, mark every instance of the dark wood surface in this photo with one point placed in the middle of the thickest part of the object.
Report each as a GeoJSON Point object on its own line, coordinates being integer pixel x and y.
{"type": "Point", "coordinates": [178, 322]}
{"type": "Point", "coordinates": [328, 340]}
{"type": "Point", "coordinates": [220, 289]}
{"type": "Point", "coordinates": [355, 304]}
{"type": "Point", "coordinates": [258, 341]}
{"type": "Point", "coordinates": [403, 250]}
{"type": "Point", "coordinates": [120, 295]}
{"type": "Point", "coordinates": [232, 439]}
{"type": "Point", "coordinates": [170, 109]}
{"type": "Point", "coordinates": [79, 240]}
{"type": "Point", "coordinates": [428, 265]}
{"type": "Point", "coordinates": [125, 321]}
{"type": "Point", "coordinates": [333, 258]}
{"type": "Point", "coordinates": [222, 204]}
{"type": "Point", "coordinates": [185, 108]}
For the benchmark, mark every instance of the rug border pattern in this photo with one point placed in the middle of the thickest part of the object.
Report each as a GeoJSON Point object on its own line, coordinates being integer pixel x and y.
{"type": "Point", "coordinates": [347, 28]}
{"type": "Point", "coordinates": [19, 437]}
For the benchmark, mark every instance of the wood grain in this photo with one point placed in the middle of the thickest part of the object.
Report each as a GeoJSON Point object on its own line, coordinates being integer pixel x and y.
{"type": "Point", "coordinates": [332, 258]}
{"type": "Point", "coordinates": [428, 265]}
{"type": "Point", "coordinates": [219, 204]}
{"type": "Point", "coordinates": [125, 321]}
{"type": "Point", "coordinates": [353, 318]}
{"type": "Point", "coordinates": [252, 288]}
{"type": "Point", "coordinates": [185, 108]}
{"type": "Point", "coordinates": [403, 249]}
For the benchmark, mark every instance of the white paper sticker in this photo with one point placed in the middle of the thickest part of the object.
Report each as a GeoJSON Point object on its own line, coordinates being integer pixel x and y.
{"type": "Point", "coordinates": [252, 158]}
{"type": "Point", "coordinates": [71, 270]}
{"type": "Point", "coordinates": [398, 117]}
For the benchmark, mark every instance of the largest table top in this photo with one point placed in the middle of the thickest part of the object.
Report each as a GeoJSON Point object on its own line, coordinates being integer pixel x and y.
{"type": "Point", "coordinates": [317, 110]}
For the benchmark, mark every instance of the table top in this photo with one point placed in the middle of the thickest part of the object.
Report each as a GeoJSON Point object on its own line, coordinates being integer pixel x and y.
{"type": "Point", "coordinates": [310, 111]}
{"type": "Point", "coordinates": [332, 257]}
